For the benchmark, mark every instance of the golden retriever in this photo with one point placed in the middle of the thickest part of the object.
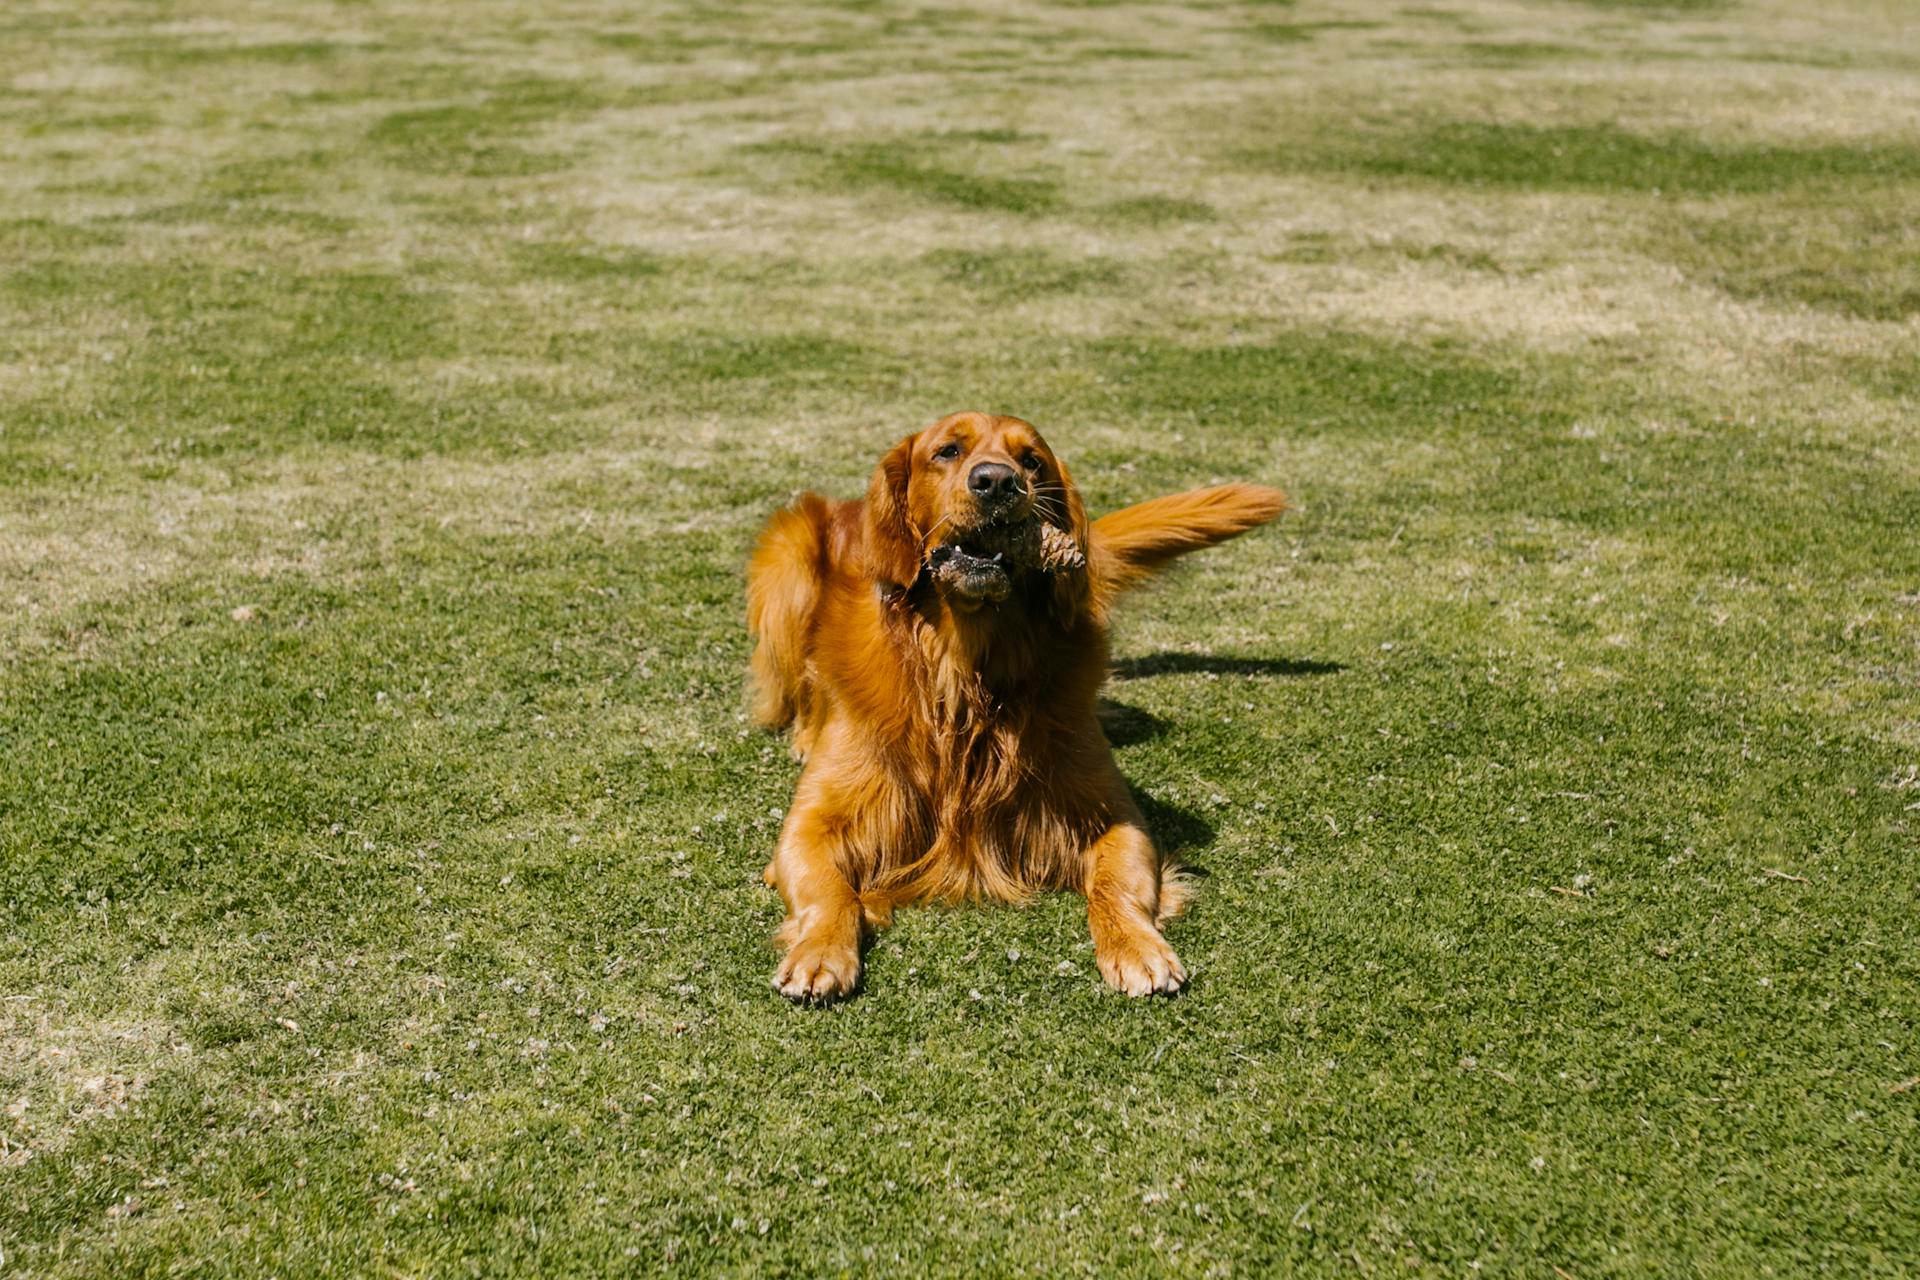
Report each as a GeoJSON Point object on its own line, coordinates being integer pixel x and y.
{"type": "Point", "coordinates": [936, 648]}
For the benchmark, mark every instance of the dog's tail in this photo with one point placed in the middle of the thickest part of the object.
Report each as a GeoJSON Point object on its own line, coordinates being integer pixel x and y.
{"type": "Point", "coordinates": [784, 581]}
{"type": "Point", "coordinates": [1132, 544]}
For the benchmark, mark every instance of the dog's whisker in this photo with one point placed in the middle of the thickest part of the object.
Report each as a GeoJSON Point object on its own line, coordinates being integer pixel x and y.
{"type": "Point", "coordinates": [928, 535]}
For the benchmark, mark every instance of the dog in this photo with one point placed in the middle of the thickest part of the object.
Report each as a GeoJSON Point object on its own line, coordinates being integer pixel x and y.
{"type": "Point", "coordinates": [936, 648]}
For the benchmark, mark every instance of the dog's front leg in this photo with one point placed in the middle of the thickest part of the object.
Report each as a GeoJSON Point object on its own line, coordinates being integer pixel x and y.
{"type": "Point", "coordinates": [1122, 882]}
{"type": "Point", "coordinates": [823, 925]}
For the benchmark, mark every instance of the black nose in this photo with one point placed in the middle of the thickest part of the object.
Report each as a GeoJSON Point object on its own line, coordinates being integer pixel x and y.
{"type": "Point", "coordinates": [993, 481]}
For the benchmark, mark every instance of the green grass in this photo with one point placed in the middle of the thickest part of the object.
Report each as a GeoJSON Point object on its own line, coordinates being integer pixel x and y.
{"type": "Point", "coordinates": [1861, 258]}
{"type": "Point", "coordinates": [1603, 157]}
{"type": "Point", "coordinates": [902, 168]}
{"type": "Point", "coordinates": [388, 401]}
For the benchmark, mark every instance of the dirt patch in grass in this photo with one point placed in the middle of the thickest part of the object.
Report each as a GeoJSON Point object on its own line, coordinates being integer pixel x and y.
{"type": "Point", "coordinates": [59, 1074]}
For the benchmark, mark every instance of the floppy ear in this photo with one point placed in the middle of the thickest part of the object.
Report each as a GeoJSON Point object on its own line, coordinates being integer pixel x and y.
{"type": "Point", "coordinates": [1072, 589]}
{"type": "Point", "coordinates": [892, 548]}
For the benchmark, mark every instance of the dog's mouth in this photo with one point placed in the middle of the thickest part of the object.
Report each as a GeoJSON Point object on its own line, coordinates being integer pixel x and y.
{"type": "Point", "coordinates": [971, 571]}
{"type": "Point", "coordinates": [979, 563]}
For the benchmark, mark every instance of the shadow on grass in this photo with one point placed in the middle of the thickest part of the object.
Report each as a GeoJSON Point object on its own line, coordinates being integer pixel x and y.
{"type": "Point", "coordinates": [1125, 725]}
{"type": "Point", "coordinates": [1174, 829]}
{"type": "Point", "coordinates": [1161, 664]}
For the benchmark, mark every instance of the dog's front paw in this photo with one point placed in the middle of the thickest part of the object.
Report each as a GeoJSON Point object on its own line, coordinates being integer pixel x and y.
{"type": "Point", "coordinates": [1140, 963]}
{"type": "Point", "coordinates": [818, 969]}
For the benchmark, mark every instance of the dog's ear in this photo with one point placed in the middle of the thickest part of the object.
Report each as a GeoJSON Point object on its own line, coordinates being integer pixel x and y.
{"type": "Point", "coordinates": [893, 549]}
{"type": "Point", "coordinates": [1072, 588]}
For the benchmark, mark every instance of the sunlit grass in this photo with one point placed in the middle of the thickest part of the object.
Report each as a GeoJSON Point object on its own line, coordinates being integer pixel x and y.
{"type": "Point", "coordinates": [389, 397]}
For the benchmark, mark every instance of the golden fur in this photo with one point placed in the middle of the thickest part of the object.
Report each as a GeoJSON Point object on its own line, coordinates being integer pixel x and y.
{"type": "Point", "coordinates": [943, 698]}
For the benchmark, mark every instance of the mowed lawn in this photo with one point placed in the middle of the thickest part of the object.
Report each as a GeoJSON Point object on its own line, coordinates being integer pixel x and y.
{"type": "Point", "coordinates": [390, 394]}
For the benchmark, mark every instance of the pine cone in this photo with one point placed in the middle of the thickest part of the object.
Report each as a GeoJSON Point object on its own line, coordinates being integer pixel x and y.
{"type": "Point", "coordinates": [1058, 550]}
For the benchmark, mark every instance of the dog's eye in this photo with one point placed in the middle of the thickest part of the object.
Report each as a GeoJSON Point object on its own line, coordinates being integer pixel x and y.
{"type": "Point", "coordinates": [1030, 461]}
{"type": "Point", "coordinates": [947, 452]}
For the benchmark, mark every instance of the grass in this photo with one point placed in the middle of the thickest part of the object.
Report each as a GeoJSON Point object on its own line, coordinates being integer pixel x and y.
{"type": "Point", "coordinates": [389, 397]}
{"type": "Point", "coordinates": [1605, 158]}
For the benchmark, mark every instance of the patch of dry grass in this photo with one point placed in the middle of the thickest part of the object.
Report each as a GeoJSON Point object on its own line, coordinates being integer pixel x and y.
{"type": "Point", "coordinates": [59, 1073]}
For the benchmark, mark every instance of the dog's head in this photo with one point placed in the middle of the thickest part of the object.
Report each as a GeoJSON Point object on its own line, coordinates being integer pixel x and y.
{"type": "Point", "coordinates": [978, 506]}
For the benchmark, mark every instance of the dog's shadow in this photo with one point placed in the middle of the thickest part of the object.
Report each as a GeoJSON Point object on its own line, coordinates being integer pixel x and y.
{"type": "Point", "coordinates": [1125, 724]}
{"type": "Point", "coordinates": [1176, 663]}
{"type": "Point", "coordinates": [1173, 828]}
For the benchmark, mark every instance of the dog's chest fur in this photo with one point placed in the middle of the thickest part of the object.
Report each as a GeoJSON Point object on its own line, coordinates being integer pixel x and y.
{"type": "Point", "coordinates": [976, 762]}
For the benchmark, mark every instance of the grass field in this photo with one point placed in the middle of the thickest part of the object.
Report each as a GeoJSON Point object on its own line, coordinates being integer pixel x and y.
{"type": "Point", "coordinates": [389, 394]}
